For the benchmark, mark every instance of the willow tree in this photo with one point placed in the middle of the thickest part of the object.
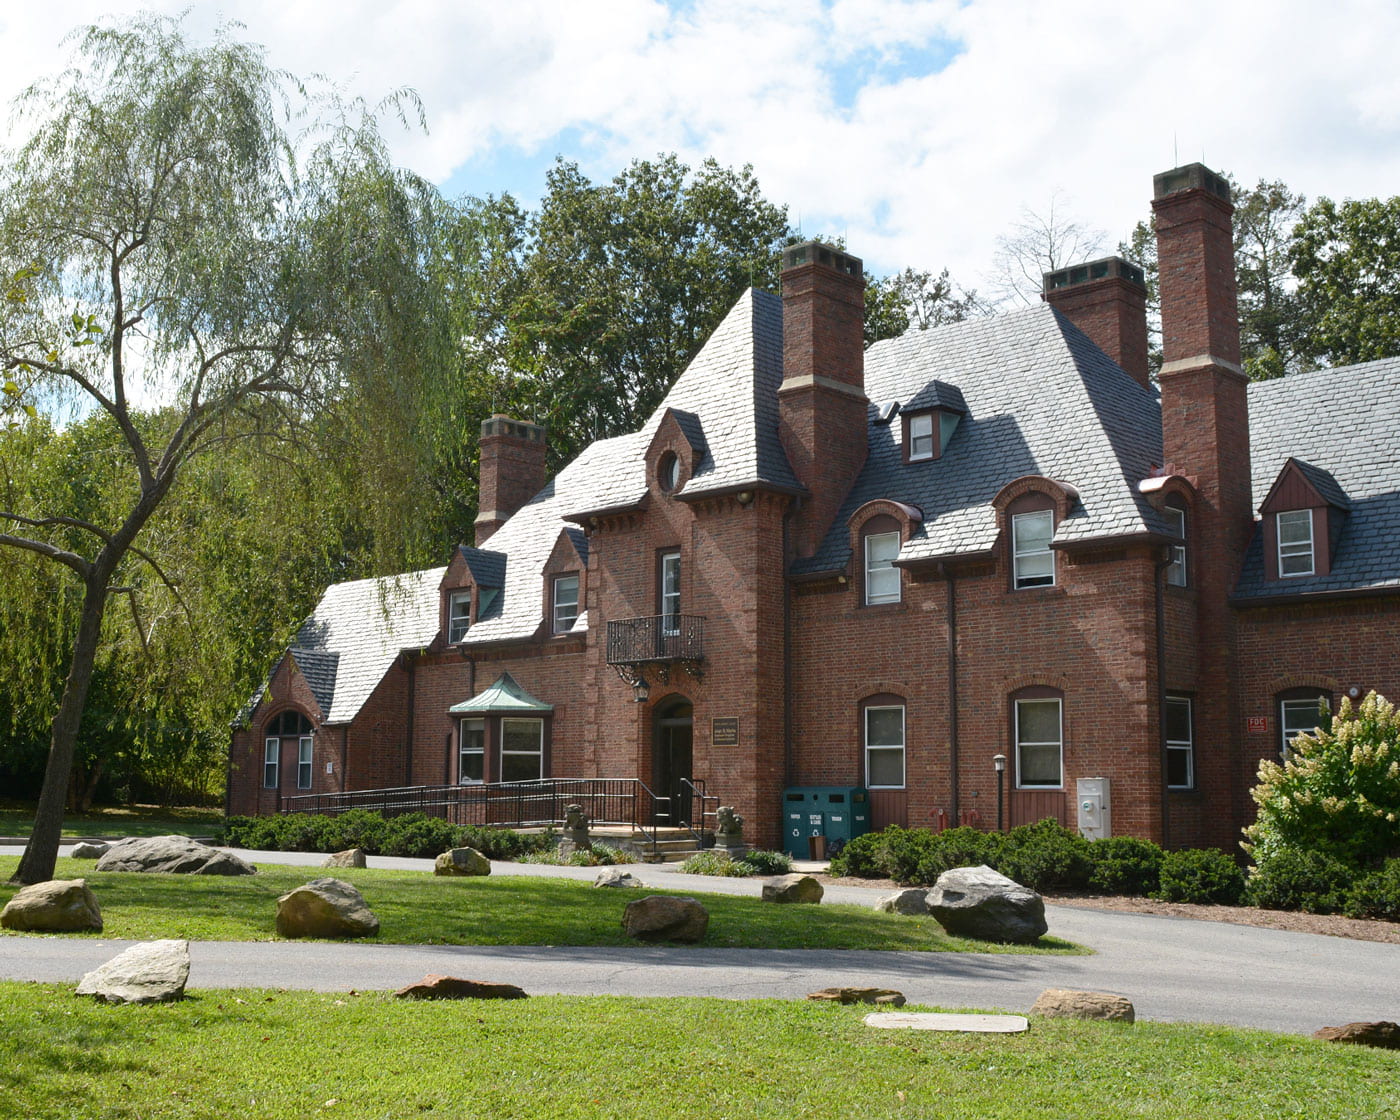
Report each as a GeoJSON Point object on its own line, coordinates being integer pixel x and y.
{"type": "Point", "coordinates": [175, 230]}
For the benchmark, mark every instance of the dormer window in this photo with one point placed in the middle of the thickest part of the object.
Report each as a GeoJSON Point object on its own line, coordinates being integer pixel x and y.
{"type": "Point", "coordinates": [459, 616]}
{"type": "Point", "coordinates": [1176, 570]}
{"type": "Point", "coordinates": [882, 583]}
{"type": "Point", "coordinates": [668, 471]}
{"type": "Point", "coordinates": [1033, 562]}
{"type": "Point", "coordinates": [1295, 543]}
{"type": "Point", "coordinates": [565, 603]}
{"type": "Point", "coordinates": [920, 429]}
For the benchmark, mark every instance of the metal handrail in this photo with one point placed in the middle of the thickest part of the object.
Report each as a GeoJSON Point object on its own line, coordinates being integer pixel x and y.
{"type": "Point", "coordinates": [696, 787]}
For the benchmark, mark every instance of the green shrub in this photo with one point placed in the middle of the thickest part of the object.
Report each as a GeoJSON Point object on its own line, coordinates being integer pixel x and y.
{"type": "Point", "coordinates": [963, 846]}
{"type": "Point", "coordinates": [860, 858]}
{"type": "Point", "coordinates": [1376, 895]}
{"type": "Point", "coordinates": [419, 836]}
{"type": "Point", "coordinates": [1124, 865]}
{"type": "Point", "coordinates": [503, 843]}
{"type": "Point", "coordinates": [1293, 880]}
{"type": "Point", "coordinates": [1202, 875]}
{"type": "Point", "coordinates": [1045, 856]}
{"type": "Point", "coordinates": [598, 855]}
{"type": "Point", "coordinates": [714, 862]}
{"type": "Point", "coordinates": [768, 863]}
{"type": "Point", "coordinates": [1337, 793]}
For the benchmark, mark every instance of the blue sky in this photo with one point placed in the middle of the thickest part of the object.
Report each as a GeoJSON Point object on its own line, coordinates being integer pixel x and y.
{"type": "Point", "coordinates": [918, 129]}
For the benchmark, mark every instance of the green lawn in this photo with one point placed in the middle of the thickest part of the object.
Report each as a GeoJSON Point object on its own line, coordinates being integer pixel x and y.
{"type": "Point", "coordinates": [17, 819]}
{"type": "Point", "coordinates": [272, 1054]}
{"type": "Point", "coordinates": [417, 908]}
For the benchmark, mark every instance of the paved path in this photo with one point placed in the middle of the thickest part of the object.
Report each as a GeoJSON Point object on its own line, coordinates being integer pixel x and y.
{"type": "Point", "coordinates": [1171, 968]}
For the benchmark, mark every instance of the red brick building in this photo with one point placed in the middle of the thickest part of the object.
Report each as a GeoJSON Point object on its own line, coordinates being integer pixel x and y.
{"type": "Point", "coordinates": [823, 565]}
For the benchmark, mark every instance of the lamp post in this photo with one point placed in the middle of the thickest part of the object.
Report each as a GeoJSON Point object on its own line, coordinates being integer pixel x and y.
{"type": "Point", "coordinates": [999, 761]}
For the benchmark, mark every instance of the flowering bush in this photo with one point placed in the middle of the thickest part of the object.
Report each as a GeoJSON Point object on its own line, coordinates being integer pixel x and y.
{"type": "Point", "coordinates": [1338, 792]}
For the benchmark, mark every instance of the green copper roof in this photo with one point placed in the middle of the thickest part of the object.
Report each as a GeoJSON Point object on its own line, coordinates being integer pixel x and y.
{"type": "Point", "coordinates": [503, 696]}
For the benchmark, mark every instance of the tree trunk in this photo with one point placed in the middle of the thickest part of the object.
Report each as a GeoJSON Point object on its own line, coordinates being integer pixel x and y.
{"type": "Point", "coordinates": [41, 853]}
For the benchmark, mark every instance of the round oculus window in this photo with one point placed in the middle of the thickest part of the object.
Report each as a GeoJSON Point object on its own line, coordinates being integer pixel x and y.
{"type": "Point", "coordinates": [668, 471]}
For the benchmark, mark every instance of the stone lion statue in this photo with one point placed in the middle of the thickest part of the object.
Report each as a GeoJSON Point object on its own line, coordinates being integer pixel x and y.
{"type": "Point", "coordinates": [574, 819]}
{"type": "Point", "coordinates": [730, 823]}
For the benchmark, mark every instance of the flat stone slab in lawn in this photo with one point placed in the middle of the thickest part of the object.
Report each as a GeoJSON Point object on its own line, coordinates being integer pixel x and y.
{"type": "Point", "coordinates": [943, 1021]}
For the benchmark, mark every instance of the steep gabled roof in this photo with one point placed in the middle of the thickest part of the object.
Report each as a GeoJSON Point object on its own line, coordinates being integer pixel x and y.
{"type": "Point", "coordinates": [1344, 424]}
{"type": "Point", "coordinates": [1041, 399]}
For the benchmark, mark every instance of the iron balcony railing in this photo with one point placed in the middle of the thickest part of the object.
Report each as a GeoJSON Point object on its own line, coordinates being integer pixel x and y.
{"type": "Point", "coordinates": [658, 637]}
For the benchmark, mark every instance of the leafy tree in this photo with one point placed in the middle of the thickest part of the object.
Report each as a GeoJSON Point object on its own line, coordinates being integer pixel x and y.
{"type": "Point", "coordinates": [184, 249]}
{"type": "Point", "coordinates": [1346, 257]}
{"type": "Point", "coordinates": [916, 298]}
{"type": "Point", "coordinates": [1272, 318]}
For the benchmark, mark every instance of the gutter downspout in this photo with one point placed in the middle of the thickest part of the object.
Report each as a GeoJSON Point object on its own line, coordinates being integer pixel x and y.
{"type": "Point", "coordinates": [953, 755]}
{"type": "Point", "coordinates": [1159, 589]}
{"type": "Point", "coordinates": [788, 514]}
{"type": "Point", "coordinates": [411, 664]}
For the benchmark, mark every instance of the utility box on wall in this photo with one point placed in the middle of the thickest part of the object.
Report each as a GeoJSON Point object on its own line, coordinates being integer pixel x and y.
{"type": "Point", "coordinates": [1093, 808]}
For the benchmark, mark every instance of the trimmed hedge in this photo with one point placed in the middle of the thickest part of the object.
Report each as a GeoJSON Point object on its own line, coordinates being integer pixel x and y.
{"type": "Point", "coordinates": [1125, 865]}
{"type": "Point", "coordinates": [1201, 875]}
{"type": "Point", "coordinates": [1294, 880]}
{"type": "Point", "coordinates": [1377, 894]}
{"type": "Point", "coordinates": [412, 834]}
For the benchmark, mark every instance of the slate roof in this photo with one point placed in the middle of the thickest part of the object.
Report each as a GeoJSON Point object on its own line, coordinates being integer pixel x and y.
{"type": "Point", "coordinates": [1041, 399]}
{"type": "Point", "coordinates": [1343, 422]}
{"type": "Point", "coordinates": [320, 668]}
{"type": "Point", "coordinates": [487, 566]}
{"type": "Point", "coordinates": [1325, 485]}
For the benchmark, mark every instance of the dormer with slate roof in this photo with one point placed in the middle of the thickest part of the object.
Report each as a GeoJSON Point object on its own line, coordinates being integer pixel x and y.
{"type": "Point", "coordinates": [471, 591]}
{"type": "Point", "coordinates": [1303, 517]}
{"type": "Point", "coordinates": [676, 453]}
{"type": "Point", "coordinates": [929, 419]}
{"type": "Point", "coordinates": [565, 584]}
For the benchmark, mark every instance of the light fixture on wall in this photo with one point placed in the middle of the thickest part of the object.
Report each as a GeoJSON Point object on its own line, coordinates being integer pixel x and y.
{"type": "Point", "coordinates": [999, 761]}
{"type": "Point", "coordinates": [641, 690]}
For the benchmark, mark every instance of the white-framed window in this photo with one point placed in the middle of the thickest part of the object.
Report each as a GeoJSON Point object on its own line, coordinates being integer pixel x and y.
{"type": "Point", "coordinates": [671, 593]}
{"type": "Point", "coordinates": [1176, 570]}
{"type": "Point", "coordinates": [459, 616]}
{"type": "Point", "coordinates": [471, 751]}
{"type": "Point", "coordinates": [271, 748]}
{"type": "Point", "coordinates": [1033, 561]}
{"type": "Point", "coordinates": [1300, 716]}
{"type": "Point", "coordinates": [1295, 542]}
{"type": "Point", "coordinates": [881, 576]}
{"type": "Point", "coordinates": [920, 436]}
{"type": "Point", "coordinates": [1039, 744]}
{"type": "Point", "coordinates": [565, 603]}
{"type": "Point", "coordinates": [522, 750]}
{"type": "Point", "coordinates": [884, 746]}
{"type": "Point", "coordinates": [304, 762]}
{"type": "Point", "coordinates": [1181, 754]}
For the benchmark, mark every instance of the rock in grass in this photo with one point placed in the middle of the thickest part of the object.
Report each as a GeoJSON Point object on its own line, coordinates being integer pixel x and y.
{"type": "Point", "coordinates": [792, 888]}
{"type": "Point", "coordinates": [351, 857]}
{"type": "Point", "coordinates": [436, 986]}
{"type": "Point", "coordinates": [912, 900]}
{"type": "Point", "coordinates": [325, 908]}
{"type": "Point", "coordinates": [1382, 1033]}
{"type": "Point", "coordinates": [1067, 1003]}
{"type": "Point", "coordinates": [616, 877]}
{"type": "Point", "coordinates": [176, 855]}
{"type": "Point", "coordinates": [89, 849]}
{"type": "Point", "coordinates": [664, 918]}
{"type": "Point", "coordinates": [882, 997]}
{"type": "Point", "coordinates": [151, 972]}
{"type": "Point", "coordinates": [461, 861]}
{"type": "Point", "coordinates": [58, 906]}
{"type": "Point", "coordinates": [982, 903]}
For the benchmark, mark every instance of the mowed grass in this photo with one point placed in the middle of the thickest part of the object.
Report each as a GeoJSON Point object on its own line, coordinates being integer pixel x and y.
{"type": "Point", "coordinates": [418, 908]}
{"type": "Point", "coordinates": [17, 819]}
{"type": "Point", "coordinates": [274, 1054]}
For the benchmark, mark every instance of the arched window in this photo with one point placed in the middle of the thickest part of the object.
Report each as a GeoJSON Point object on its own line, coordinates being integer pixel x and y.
{"type": "Point", "coordinates": [289, 731]}
{"type": "Point", "coordinates": [880, 579]}
{"type": "Point", "coordinates": [1032, 521]}
{"type": "Point", "coordinates": [1300, 712]}
{"type": "Point", "coordinates": [1175, 513]}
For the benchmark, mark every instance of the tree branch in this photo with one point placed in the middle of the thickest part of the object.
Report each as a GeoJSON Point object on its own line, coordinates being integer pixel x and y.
{"type": "Point", "coordinates": [43, 548]}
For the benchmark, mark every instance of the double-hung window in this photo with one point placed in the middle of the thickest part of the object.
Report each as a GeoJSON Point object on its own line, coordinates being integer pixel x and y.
{"type": "Point", "coordinates": [304, 762]}
{"type": "Point", "coordinates": [271, 748]}
{"type": "Point", "coordinates": [1039, 744]}
{"type": "Point", "coordinates": [471, 751]}
{"type": "Point", "coordinates": [1295, 543]}
{"type": "Point", "coordinates": [522, 750]}
{"type": "Point", "coordinates": [920, 436]}
{"type": "Point", "coordinates": [565, 603]}
{"type": "Point", "coordinates": [671, 593]}
{"type": "Point", "coordinates": [884, 747]}
{"type": "Point", "coordinates": [1181, 761]}
{"type": "Point", "coordinates": [1176, 570]}
{"type": "Point", "coordinates": [1032, 559]}
{"type": "Point", "coordinates": [1300, 716]}
{"type": "Point", "coordinates": [459, 616]}
{"type": "Point", "coordinates": [881, 576]}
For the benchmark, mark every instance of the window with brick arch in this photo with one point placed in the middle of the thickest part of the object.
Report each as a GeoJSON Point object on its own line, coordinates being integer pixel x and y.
{"type": "Point", "coordinates": [1300, 712]}
{"type": "Point", "coordinates": [1175, 511]}
{"type": "Point", "coordinates": [1038, 737]}
{"type": "Point", "coordinates": [287, 732]}
{"type": "Point", "coordinates": [881, 581]}
{"type": "Point", "coordinates": [1031, 521]}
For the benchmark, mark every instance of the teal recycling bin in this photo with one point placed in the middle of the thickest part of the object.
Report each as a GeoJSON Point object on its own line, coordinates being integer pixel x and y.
{"type": "Point", "coordinates": [818, 820]}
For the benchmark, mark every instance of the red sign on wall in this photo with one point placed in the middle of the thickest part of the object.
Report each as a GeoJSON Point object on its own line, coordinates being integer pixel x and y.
{"type": "Point", "coordinates": [1258, 723]}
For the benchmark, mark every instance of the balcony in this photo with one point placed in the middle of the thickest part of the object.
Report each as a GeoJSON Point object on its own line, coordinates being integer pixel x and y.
{"type": "Point", "coordinates": [656, 643]}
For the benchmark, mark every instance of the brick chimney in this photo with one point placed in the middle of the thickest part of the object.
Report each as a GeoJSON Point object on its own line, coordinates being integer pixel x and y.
{"type": "Point", "coordinates": [512, 471]}
{"type": "Point", "coordinates": [821, 402]}
{"type": "Point", "coordinates": [1107, 300]}
{"type": "Point", "coordinates": [1205, 434]}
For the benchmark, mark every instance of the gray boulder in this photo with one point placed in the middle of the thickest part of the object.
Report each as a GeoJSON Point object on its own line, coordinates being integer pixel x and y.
{"type": "Point", "coordinates": [982, 903]}
{"type": "Point", "coordinates": [176, 855]}
{"type": "Point", "coordinates": [325, 908]}
{"type": "Point", "coordinates": [151, 972]}
{"type": "Point", "coordinates": [89, 849]}
{"type": "Point", "coordinates": [792, 888]}
{"type": "Point", "coordinates": [912, 900]}
{"type": "Point", "coordinates": [616, 877]}
{"type": "Point", "coordinates": [664, 918]}
{"type": "Point", "coordinates": [58, 906]}
{"type": "Point", "coordinates": [1068, 1003]}
{"type": "Point", "coordinates": [461, 861]}
{"type": "Point", "coordinates": [351, 857]}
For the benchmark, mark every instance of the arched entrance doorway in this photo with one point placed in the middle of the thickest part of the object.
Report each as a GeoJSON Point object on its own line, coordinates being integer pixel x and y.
{"type": "Point", "coordinates": [671, 760]}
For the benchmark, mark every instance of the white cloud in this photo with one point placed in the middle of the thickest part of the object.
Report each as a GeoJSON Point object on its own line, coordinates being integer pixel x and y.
{"type": "Point", "coordinates": [918, 165]}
